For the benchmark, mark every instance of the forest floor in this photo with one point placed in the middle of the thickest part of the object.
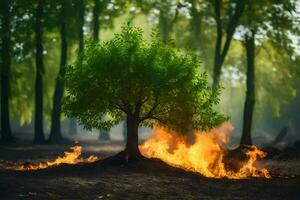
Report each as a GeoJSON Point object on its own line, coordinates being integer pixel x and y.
{"type": "Point", "coordinates": [141, 181]}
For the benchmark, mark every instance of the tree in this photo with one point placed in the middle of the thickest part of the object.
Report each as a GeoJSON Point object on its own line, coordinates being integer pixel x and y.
{"type": "Point", "coordinates": [250, 89]}
{"type": "Point", "coordinates": [81, 12]}
{"type": "Point", "coordinates": [272, 21]}
{"type": "Point", "coordinates": [235, 13]}
{"type": "Point", "coordinates": [146, 83]}
{"type": "Point", "coordinates": [104, 12]}
{"type": "Point", "coordinates": [96, 11]}
{"type": "Point", "coordinates": [38, 125]}
{"type": "Point", "coordinates": [103, 8]}
{"type": "Point", "coordinates": [55, 132]}
{"type": "Point", "coordinates": [6, 135]}
{"type": "Point", "coordinates": [164, 13]}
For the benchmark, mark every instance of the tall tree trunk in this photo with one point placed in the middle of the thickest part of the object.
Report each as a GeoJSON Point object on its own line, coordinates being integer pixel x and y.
{"type": "Point", "coordinates": [250, 92]}
{"type": "Point", "coordinates": [55, 133]}
{"type": "Point", "coordinates": [104, 135]}
{"type": "Point", "coordinates": [132, 148]}
{"type": "Point", "coordinates": [6, 135]}
{"type": "Point", "coordinates": [218, 47]}
{"type": "Point", "coordinates": [125, 130]}
{"type": "Point", "coordinates": [96, 11]}
{"type": "Point", "coordinates": [38, 125]}
{"type": "Point", "coordinates": [164, 27]}
{"type": "Point", "coordinates": [222, 50]}
{"type": "Point", "coordinates": [195, 24]}
{"type": "Point", "coordinates": [73, 121]}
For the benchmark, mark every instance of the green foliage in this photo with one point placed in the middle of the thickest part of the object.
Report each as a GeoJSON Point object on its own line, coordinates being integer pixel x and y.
{"type": "Point", "coordinates": [151, 81]}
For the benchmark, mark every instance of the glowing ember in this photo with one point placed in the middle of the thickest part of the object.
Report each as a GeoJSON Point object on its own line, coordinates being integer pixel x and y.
{"type": "Point", "coordinates": [71, 158]}
{"type": "Point", "coordinates": [205, 154]}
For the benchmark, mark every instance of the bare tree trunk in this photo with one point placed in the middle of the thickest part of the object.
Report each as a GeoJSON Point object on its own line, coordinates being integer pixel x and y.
{"type": "Point", "coordinates": [125, 130]}
{"type": "Point", "coordinates": [73, 121]}
{"type": "Point", "coordinates": [132, 148]}
{"type": "Point", "coordinates": [38, 125]}
{"type": "Point", "coordinates": [222, 50]}
{"type": "Point", "coordinates": [6, 135]}
{"type": "Point", "coordinates": [164, 27]}
{"type": "Point", "coordinates": [104, 135]}
{"type": "Point", "coordinates": [250, 92]}
{"type": "Point", "coordinates": [96, 11]}
{"type": "Point", "coordinates": [218, 47]}
{"type": "Point", "coordinates": [55, 133]}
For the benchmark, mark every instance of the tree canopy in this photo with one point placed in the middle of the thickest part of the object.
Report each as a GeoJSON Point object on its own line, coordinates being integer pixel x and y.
{"type": "Point", "coordinates": [151, 81]}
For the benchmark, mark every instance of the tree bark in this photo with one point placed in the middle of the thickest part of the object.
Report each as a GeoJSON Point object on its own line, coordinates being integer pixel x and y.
{"type": "Point", "coordinates": [221, 52]}
{"type": "Point", "coordinates": [125, 130]}
{"type": "Point", "coordinates": [96, 11]}
{"type": "Point", "coordinates": [55, 133]}
{"type": "Point", "coordinates": [132, 148]}
{"type": "Point", "coordinates": [104, 135]}
{"type": "Point", "coordinates": [164, 27]}
{"type": "Point", "coordinates": [38, 125]}
{"type": "Point", "coordinates": [81, 23]}
{"type": "Point", "coordinates": [81, 4]}
{"type": "Point", "coordinates": [218, 47]}
{"type": "Point", "coordinates": [6, 135]}
{"type": "Point", "coordinates": [250, 92]}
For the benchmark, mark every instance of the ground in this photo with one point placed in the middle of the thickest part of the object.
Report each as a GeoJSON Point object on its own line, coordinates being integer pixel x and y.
{"type": "Point", "coordinates": [147, 180]}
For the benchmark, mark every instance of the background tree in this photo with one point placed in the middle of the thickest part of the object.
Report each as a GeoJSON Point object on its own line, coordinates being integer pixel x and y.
{"type": "Point", "coordinates": [256, 23]}
{"type": "Point", "coordinates": [149, 83]}
{"type": "Point", "coordinates": [105, 11]}
{"type": "Point", "coordinates": [235, 10]}
{"type": "Point", "coordinates": [65, 15]}
{"type": "Point", "coordinates": [38, 124]}
{"type": "Point", "coordinates": [6, 135]}
{"type": "Point", "coordinates": [80, 10]}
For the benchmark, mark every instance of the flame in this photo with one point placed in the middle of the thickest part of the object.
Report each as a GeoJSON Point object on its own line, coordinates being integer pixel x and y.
{"type": "Point", "coordinates": [205, 154]}
{"type": "Point", "coordinates": [71, 158]}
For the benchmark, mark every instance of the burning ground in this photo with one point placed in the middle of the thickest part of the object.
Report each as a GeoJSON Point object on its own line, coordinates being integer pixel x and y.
{"type": "Point", "coordinates": [149, 179]}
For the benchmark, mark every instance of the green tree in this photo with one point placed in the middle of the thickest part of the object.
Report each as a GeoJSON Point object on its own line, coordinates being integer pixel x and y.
{"type": "Point", "coordinates": [270, 21]}
{"type": "Point", "coordinates": [148, 83]}
{"type": "Point", "coordinates": [234, 13]}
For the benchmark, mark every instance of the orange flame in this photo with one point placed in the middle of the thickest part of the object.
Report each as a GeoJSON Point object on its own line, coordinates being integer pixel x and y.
{"type": "Point", "coordinates": [205, 155]}
{"type": "Point", "coordinates": [71, 158]}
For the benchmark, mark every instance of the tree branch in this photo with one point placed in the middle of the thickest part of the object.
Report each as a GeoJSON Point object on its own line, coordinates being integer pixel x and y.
{"type": "Point", "coordinates": [149, 114]}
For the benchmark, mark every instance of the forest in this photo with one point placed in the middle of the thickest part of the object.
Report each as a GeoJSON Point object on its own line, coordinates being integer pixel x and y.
{"type": "Point", "coordinates": [144, 99]}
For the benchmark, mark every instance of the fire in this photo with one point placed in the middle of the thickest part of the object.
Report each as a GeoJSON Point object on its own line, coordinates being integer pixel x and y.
{"type": "Point", "coordinates": [203, 153]}
{"type": "Point", "coordinates": [71, 158]}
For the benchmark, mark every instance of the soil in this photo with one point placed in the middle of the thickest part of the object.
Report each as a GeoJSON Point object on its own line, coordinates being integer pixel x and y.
{"type": "Point", "coordinates": [147, 179]}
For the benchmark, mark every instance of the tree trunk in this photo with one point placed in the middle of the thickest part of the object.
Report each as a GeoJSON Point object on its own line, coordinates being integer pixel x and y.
{"type": "Point", "coordinates": [6, 135]}
{"type": "Point", "coordinates": [104, 135]}
{"type": "Point", "coordinates": [72, 126]}
{"type": "Point", "coordinates": [38, 125]}
{"type": "Point", "coordinates": [218, 46]}
{"type": "Point", "coordinates": [55, 133]}
{"type": "Point", "coordinates": [222, 50]}
{"type": "Point", "coordinates": [164, 27]}
{"type": "Point", "coordinates": [96, 11]}
{"type": "Point", "coordinates": [73, 121]}
{"type": "Point", "coordinates": [250, 92]}
{"type": "Point", "coordinates": [132, 148]}
{"type": "Point", "coordinates": [81, 23]}
{"type": "Point", "coordinates": [125, 130]}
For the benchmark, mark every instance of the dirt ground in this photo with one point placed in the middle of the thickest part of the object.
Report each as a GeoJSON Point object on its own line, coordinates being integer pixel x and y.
{"type": "Point", "coordinates": [141, 181]}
